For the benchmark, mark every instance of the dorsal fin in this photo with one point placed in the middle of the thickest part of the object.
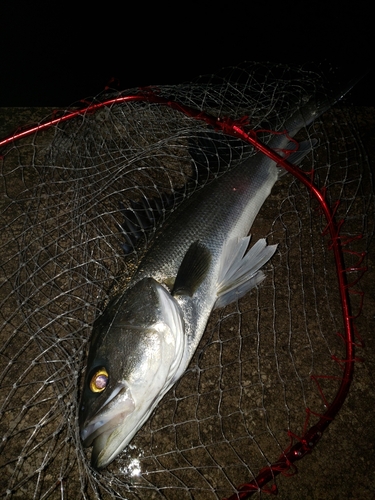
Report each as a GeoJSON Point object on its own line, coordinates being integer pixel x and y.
{"type": "Point", "coordinates": [211, 153]}
{"type": "Point", "coordinates": [214, 152]}
{"type": "Point", "coordinates": [143, 217]}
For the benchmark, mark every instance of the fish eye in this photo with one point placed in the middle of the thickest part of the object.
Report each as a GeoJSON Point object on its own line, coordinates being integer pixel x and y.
{"type": "Point", "coordinates": [99, 380]}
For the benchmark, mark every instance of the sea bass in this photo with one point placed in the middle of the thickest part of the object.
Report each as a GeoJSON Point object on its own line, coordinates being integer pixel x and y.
{"type": "Point", "coordinates": [147, 334]}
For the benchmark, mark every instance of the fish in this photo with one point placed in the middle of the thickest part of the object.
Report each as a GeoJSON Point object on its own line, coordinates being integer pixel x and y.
{"type": "Point", "coordinates": [201, 259]}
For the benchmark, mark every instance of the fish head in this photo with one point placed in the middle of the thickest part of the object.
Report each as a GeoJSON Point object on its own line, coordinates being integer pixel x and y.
{"type": "Point", "coordinates": [136, 353]}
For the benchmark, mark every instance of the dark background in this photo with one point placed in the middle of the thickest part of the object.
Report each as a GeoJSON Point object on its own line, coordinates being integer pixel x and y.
{"type": "Point", "coordinates": [54, 56]}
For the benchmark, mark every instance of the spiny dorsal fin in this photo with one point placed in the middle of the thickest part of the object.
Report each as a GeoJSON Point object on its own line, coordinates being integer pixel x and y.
{"type": "Point", "coordinates": [239, 273]}
{"type": "Point", "coordinates": [213, 152]}
{"type": "Point", "coordinates": [193, 269]}
{"type": "Point", "coordinates": [144, 216]}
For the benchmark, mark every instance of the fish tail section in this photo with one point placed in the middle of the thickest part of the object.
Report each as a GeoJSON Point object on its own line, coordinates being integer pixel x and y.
{"type": "Point", "coordinates": [317, 105]}
{"type": "Point", "coordinates": [240, 272]}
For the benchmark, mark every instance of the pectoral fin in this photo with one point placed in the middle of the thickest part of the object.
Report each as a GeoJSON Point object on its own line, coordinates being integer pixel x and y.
{"type": "Point", "coordinates": [239, 273]}
{"type": "Point", "coordinates": [193, 270]}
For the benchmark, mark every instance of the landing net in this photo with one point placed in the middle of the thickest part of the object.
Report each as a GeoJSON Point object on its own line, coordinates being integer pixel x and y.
{"type": "Point", "coordinates": [271, 371]}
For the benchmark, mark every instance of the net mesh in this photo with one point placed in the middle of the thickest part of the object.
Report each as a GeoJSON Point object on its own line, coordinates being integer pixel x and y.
{"type": "Point", "coordinates": [267, 367]}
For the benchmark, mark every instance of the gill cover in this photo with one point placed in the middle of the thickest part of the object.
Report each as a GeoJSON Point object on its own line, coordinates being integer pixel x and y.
{"type": "Point", "coordinates": [136, 354]}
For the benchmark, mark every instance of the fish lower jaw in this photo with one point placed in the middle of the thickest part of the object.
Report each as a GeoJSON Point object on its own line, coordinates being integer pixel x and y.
{"type": "Point", "coordinates": [99, 444]}
{"type": "Point", "coordinates": [97, 430]}
{"type": "Point", "coordinates": [113, 414]}
{"type": "Point", "coordinates": [108, 445]}
{"type": "Point", "coordinates": [105, 447]}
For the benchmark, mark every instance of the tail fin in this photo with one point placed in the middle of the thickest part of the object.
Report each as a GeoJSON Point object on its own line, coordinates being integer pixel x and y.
{"type": "Point", "coordinates": [319, 104]}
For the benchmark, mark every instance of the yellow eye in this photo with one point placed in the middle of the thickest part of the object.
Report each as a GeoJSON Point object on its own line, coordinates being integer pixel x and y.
{"type": "Point", "coordinates": [99, 380]}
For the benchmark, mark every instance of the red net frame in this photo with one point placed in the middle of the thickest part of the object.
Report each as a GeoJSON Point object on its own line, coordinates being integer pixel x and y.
{"type": "Point", "coordinates": [338, 243]}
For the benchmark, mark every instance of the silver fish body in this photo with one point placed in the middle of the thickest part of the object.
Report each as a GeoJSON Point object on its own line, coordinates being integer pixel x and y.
{"type": "Point", "coordinates": [145, 338]}
{"type": "Point", "coordinates": [222, 212]}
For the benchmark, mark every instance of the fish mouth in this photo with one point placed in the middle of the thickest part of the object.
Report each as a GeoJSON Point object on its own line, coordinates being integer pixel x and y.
{"type": "Point", "coordinates": [97, 430]}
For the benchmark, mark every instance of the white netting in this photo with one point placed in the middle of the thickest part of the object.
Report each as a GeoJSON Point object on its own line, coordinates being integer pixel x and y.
{"type": "Point", "coordinates": [262, 361]}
